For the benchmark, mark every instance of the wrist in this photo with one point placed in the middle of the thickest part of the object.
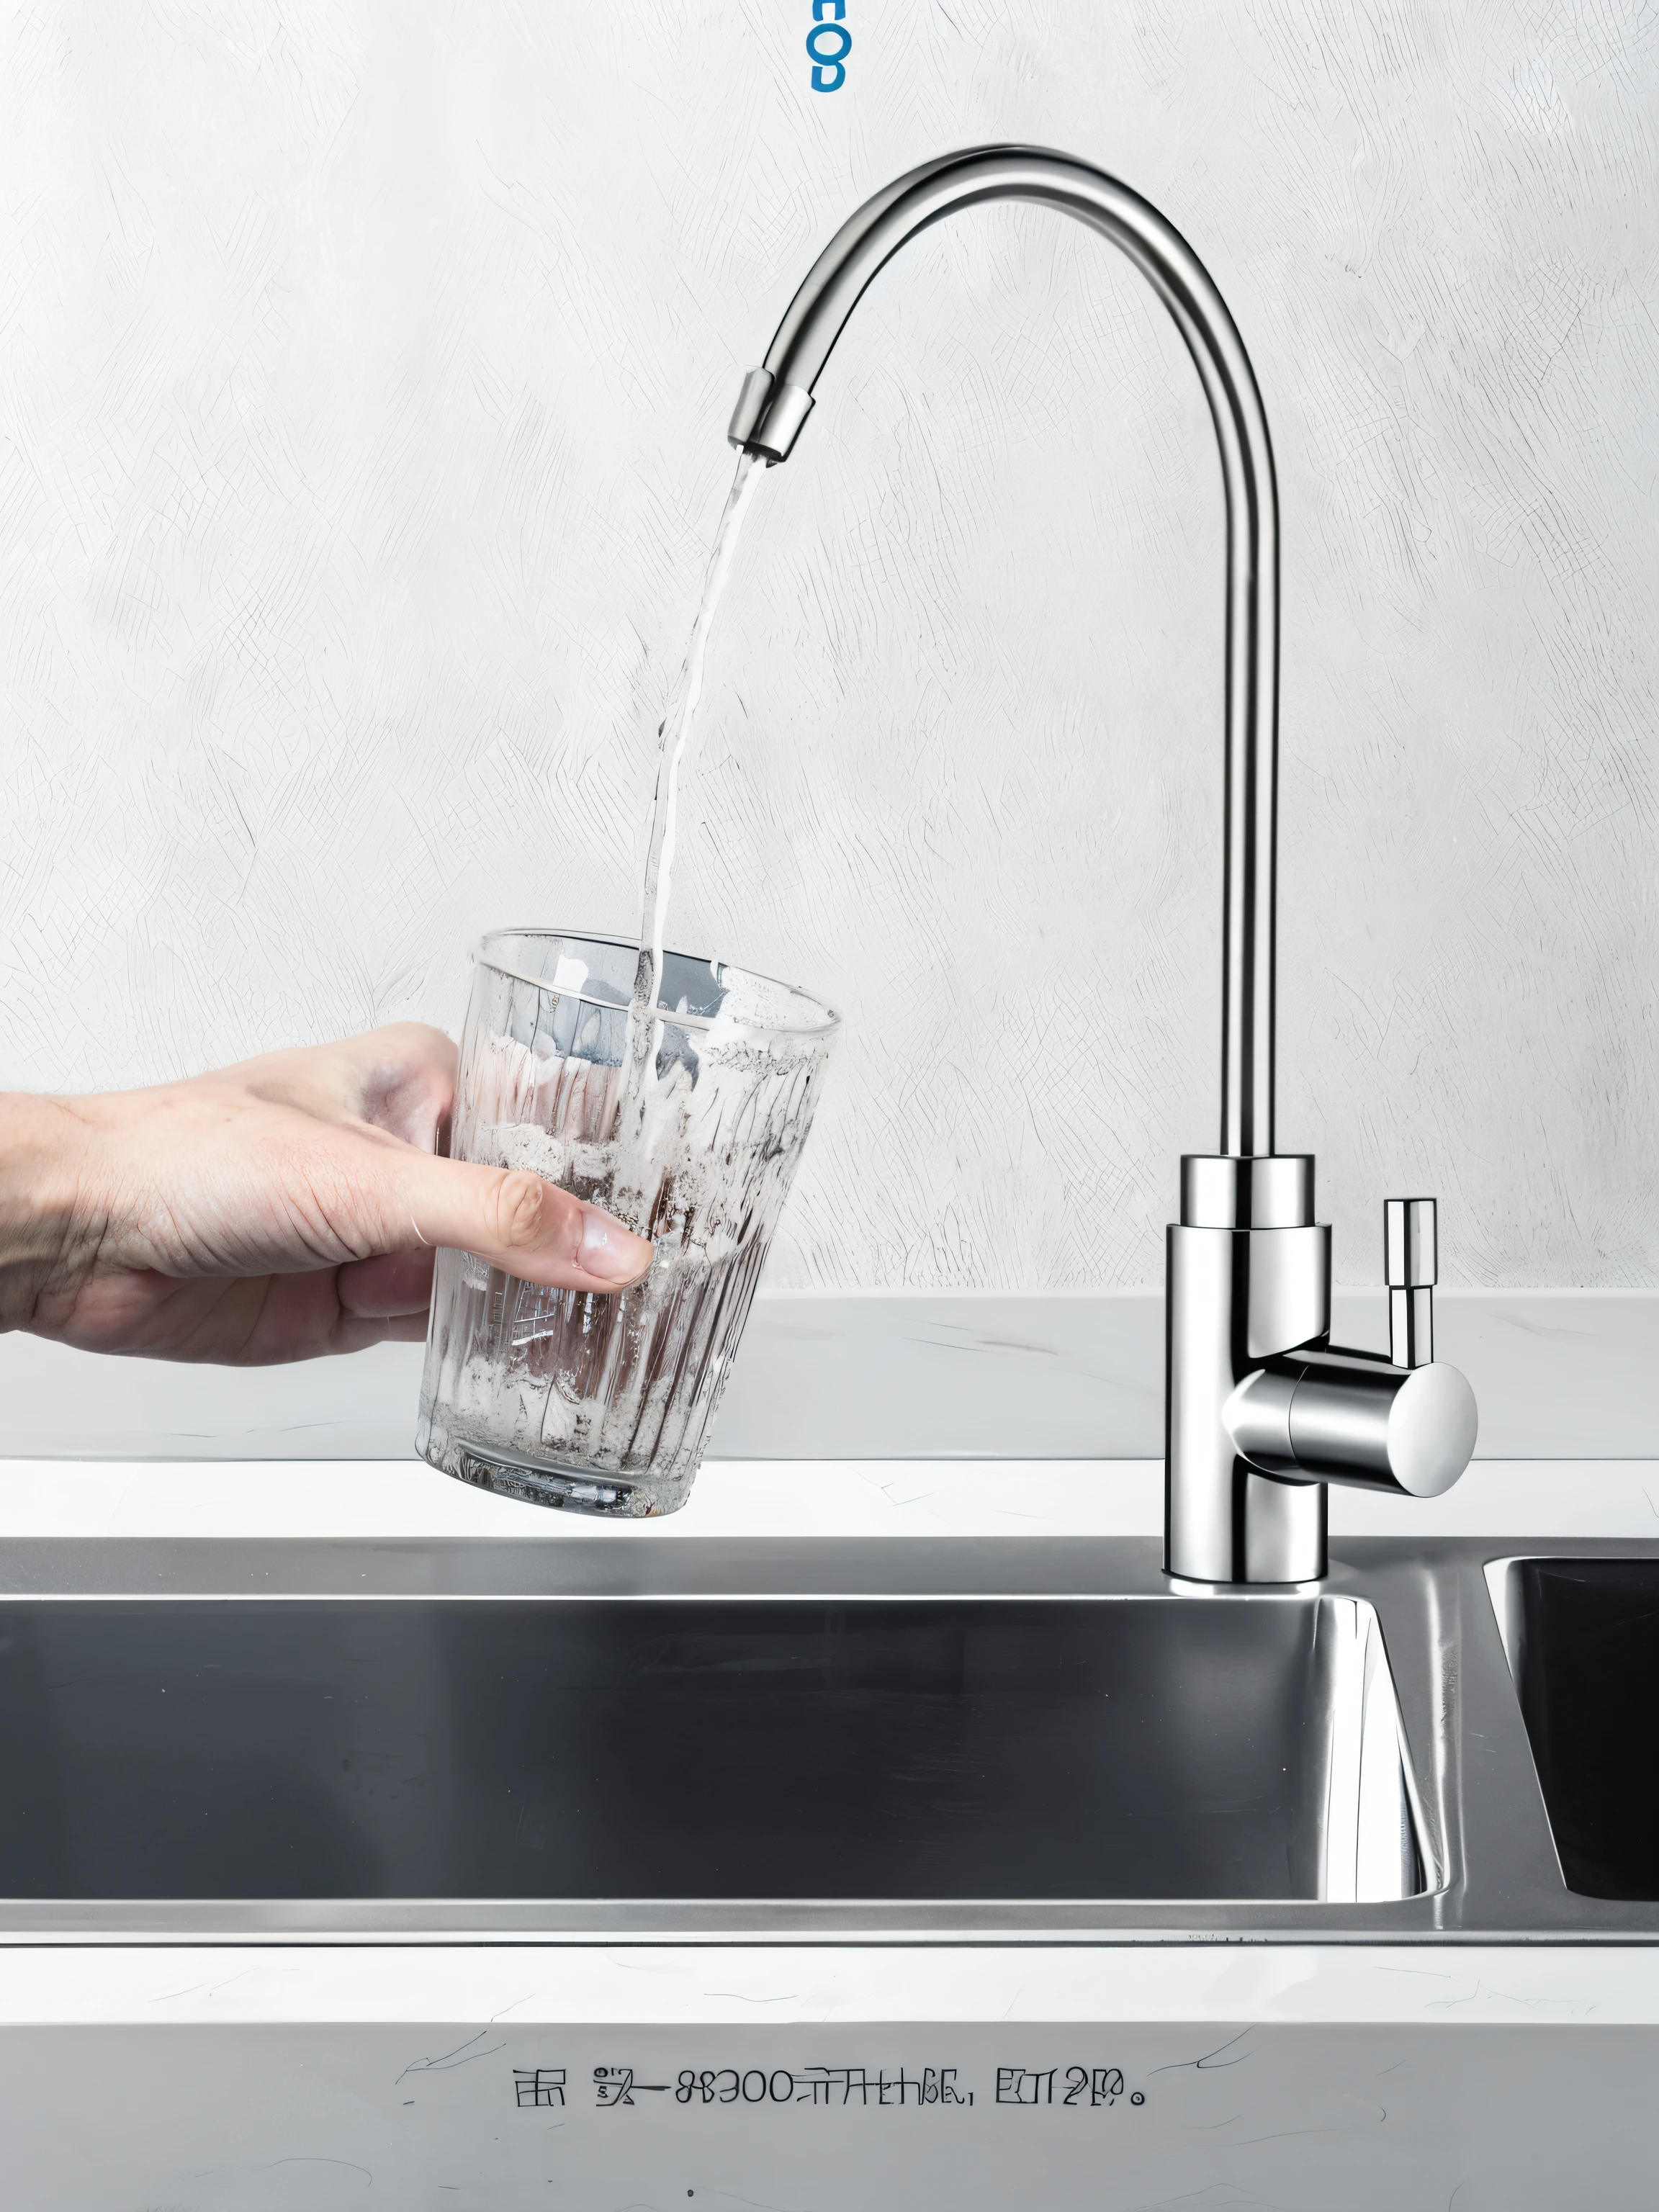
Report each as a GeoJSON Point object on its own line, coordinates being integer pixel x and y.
{"type": "Point", "coordinates": [50, 1222]}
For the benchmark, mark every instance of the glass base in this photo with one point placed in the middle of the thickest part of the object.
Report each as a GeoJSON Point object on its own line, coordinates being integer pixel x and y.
{"type": "Point", "coordinates": [569, 1489]}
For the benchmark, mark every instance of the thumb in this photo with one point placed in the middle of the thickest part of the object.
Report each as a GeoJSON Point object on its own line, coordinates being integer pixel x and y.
{"type": "Point", "coordinates": [511, 1218]}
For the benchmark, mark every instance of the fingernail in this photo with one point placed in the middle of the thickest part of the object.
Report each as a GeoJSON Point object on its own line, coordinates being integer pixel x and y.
{"type": "Point", "coordinates": [612, 1253]}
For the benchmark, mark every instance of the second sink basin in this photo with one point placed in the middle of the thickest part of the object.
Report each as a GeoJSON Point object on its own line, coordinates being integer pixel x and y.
{"type": "Point", "coordinates": [712, 1746]}
{"type": "Point", "coordinates": [1582, 1638]}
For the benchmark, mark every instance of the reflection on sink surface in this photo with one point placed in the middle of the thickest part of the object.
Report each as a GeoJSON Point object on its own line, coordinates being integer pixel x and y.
{"type": "Point", "coordinates": [1582, 1638]}
{"type": "Point", "coordinates": [1032, 1748]}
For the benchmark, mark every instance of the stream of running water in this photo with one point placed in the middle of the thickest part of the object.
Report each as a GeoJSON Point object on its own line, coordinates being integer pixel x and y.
{"type": "Point", "coordinates": [679, 726]}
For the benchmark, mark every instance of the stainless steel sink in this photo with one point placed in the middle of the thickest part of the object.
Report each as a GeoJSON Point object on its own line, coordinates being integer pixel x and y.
{"type": "Point", "coordinates": [708, 1746]}
{"type": "Point", "coordinates": [1582, 1639]}
{"type": "Point", "coordinates": [630, 1739]}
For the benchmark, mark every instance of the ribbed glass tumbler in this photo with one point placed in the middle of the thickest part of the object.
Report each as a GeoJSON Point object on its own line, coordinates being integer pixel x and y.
{"type": "Point", "coordinates": [688, 1124]}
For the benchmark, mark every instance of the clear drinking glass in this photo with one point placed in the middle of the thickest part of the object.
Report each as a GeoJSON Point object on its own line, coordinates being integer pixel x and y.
{"type": "Point", "coordinates": [601, 1403]}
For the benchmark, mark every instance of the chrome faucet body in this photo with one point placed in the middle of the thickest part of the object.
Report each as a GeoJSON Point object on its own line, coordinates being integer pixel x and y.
{"type": "Point", "coordinates": [1260, 1414]}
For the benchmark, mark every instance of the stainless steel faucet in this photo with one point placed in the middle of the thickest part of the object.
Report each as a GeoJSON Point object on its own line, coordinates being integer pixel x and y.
{"type": "Point", "coordinates": [1262, 1412]}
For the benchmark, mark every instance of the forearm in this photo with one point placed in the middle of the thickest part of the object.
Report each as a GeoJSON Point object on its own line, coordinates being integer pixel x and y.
{"type": "Point", "coordinates": [51, 1217]}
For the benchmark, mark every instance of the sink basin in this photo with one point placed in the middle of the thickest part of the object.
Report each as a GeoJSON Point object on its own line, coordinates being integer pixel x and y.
{"type": "Point", "coordinates": [1582, 1638]}
{"type": "Point", "coordinates": [767, 1740]}
{"type": "Point", "coordinates": [706, 1746]}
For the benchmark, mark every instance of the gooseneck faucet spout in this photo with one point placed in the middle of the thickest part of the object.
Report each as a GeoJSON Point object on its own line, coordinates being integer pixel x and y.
{"type": "Point", "coordinates": [1260, 1411]}
{"type": "Point", "coordinates": [777, 397]}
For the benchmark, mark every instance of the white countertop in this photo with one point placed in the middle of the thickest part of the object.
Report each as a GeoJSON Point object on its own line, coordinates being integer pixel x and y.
{"type": "Point", "coordinates": [324, 1499]}
{"type": "Point", "coordinates": [521, 1984]}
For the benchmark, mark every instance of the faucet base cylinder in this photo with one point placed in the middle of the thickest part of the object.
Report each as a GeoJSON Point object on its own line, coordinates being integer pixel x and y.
{"type": "Point", "coordinates": [1237, 1297]}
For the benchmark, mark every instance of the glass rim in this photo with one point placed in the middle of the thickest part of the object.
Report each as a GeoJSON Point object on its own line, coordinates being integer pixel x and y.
{"type": "Point", "coordinates": [826, 1025]}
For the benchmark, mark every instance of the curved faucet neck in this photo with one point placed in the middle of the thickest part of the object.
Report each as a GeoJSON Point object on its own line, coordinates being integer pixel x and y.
{"type": "Point", "coordinates": [777, 399]}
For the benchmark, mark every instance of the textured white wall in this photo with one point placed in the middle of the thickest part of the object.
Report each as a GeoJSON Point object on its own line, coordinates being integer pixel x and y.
{"type": "Point", "coordinates": [365, 367]}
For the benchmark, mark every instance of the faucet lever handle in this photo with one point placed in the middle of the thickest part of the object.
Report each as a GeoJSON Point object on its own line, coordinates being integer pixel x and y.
{"type": "Point", "coordinates": [1411, 1258]}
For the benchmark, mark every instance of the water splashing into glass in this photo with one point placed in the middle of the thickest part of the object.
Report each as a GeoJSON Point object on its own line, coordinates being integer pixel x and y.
{"type": "Point", "coordinates": [681, 1105]}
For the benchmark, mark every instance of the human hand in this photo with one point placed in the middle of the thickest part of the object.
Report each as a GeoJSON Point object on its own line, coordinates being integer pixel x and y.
{"type": "Point", "coordinates": [272, 1210]}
